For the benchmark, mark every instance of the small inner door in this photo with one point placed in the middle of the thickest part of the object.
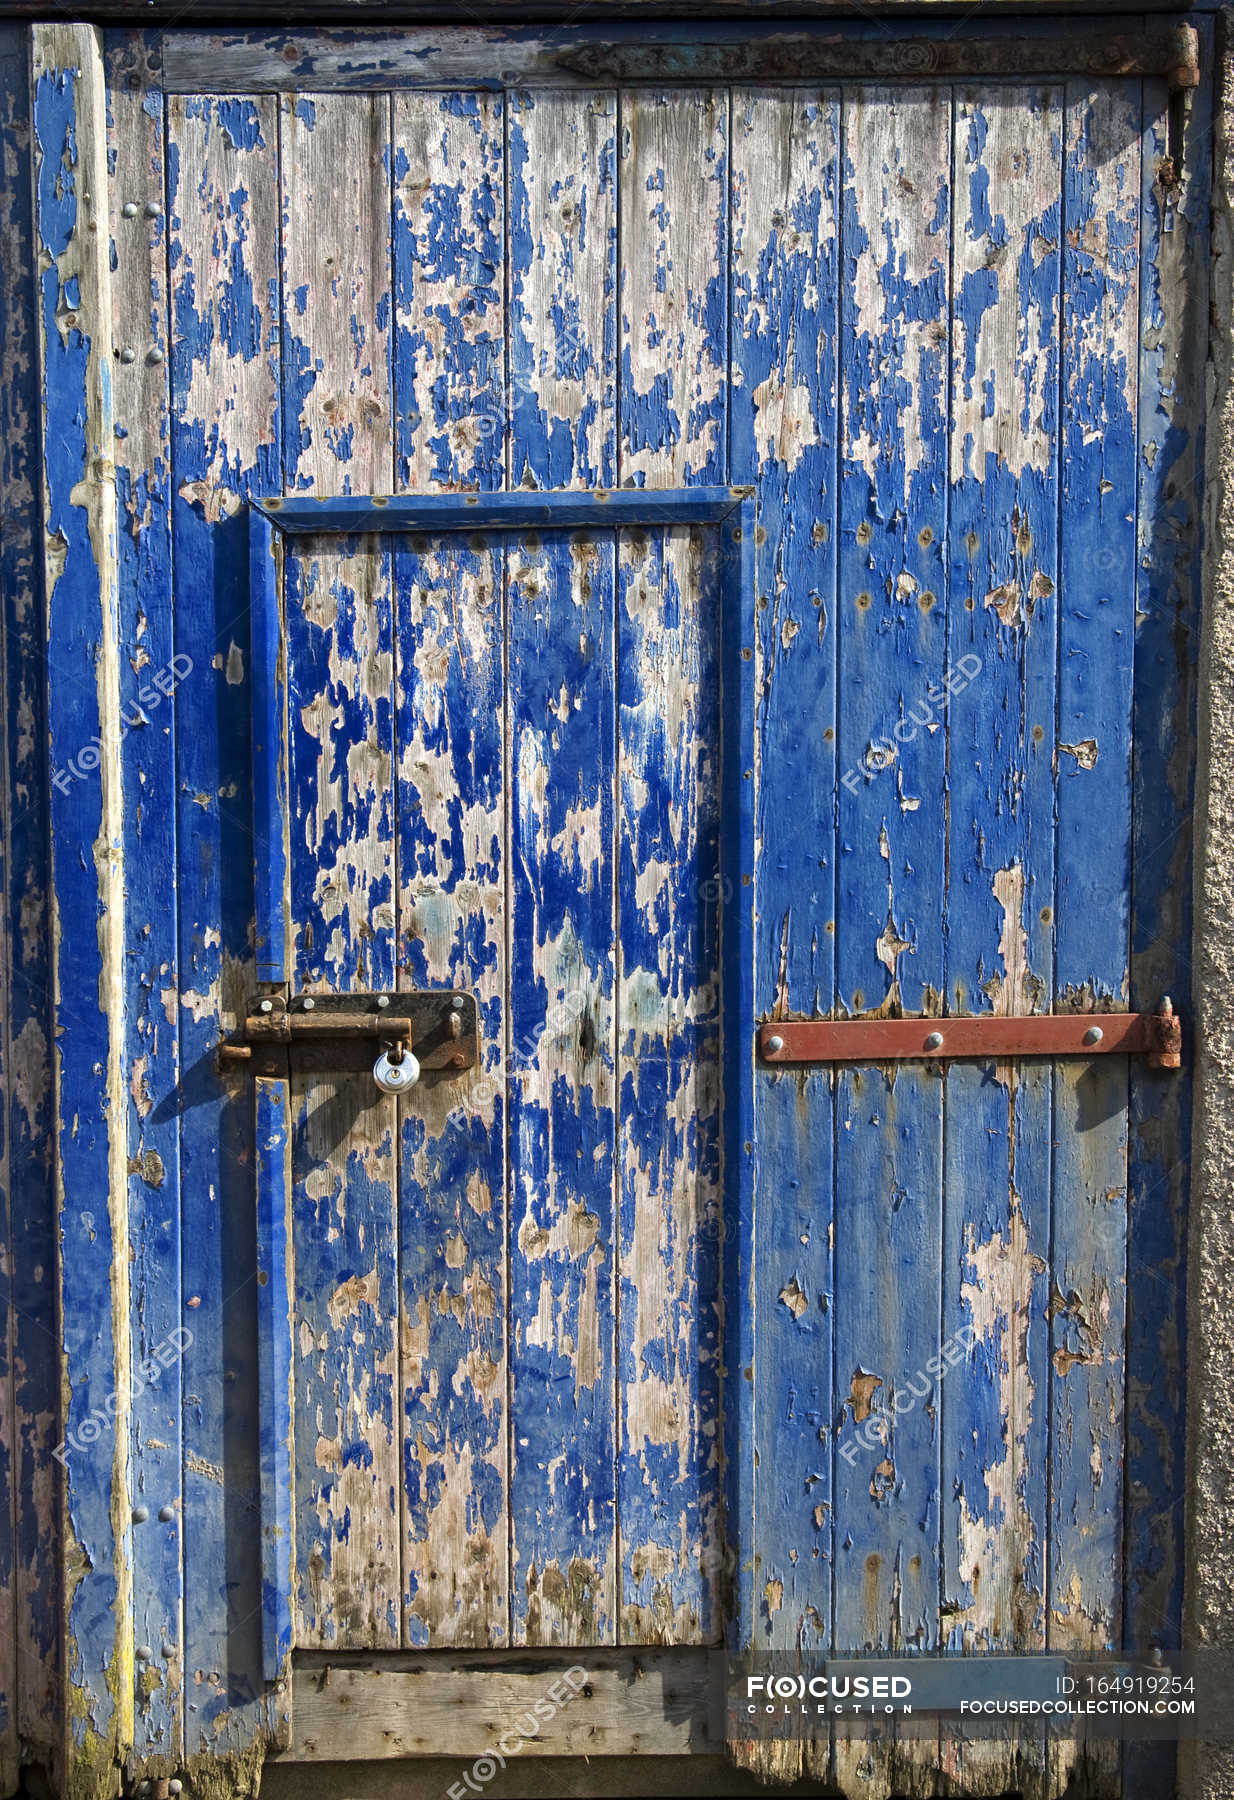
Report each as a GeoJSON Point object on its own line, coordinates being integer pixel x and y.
{"type": "Point", "coordinates": [502, 768]}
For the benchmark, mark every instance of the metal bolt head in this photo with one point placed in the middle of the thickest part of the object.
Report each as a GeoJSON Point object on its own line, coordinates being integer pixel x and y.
{"type": "Point", "coordinates": [383, 1000]}
{"type": "Point", "coordinates": [934, 1041]}
{"type": "Point", "coordinates": [774, 1045]}
{"type": "Point", "coordinates": [267, 1006]}
{"type": "Point", "coordinates": [129, 210]}
{"type": "Point", "coordinates": [128, 355]}
{"type": "Point", "coordinates": [175, 1787]}
{"type": "Point", "coordinates": [1093, 1035]}
{"type": "Point", "coordinates": [309, 1003]}
{"type": "Point", "coordinates": [458, 1001]}
{"type": "Point", "coordinates": [140, 1514]}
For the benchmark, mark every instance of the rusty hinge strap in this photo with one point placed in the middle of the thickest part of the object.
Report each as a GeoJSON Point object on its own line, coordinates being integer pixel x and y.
{"type": "Point", "coordinates": [1171, 51]}
{"type": "Point", "coordinates": [1156, 1036]}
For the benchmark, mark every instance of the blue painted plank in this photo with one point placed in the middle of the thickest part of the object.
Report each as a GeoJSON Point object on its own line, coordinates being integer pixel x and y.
{"type": "Point", "coordinates": [562, 229]}
{"type": "Point", "coordinates": [894, 313]}
{"type": "Point", "coordinates": [673, 294]}
{"type": "Point", "coordinates": [223, 236]}
{"type": "Point", "coordinates": [452, 929]}
{"type": "Point", "coordinates": [30, 1655]}
{"type": "Point", "coordinates": [596, 509]}
{"type": "Point", "coordinates": [737, 575]}
{"type": "Point", "coordinates": [1101, 202]}
{"type": "Point", "coordinates": [272, 1178]}
{"type": "Point", "coordinates": [783, 405]}
{"type": "Point", "coordinates": [668, 1056]}
{"type": "Point", "coordinates": [69, 129]}
{"type": "Point", "coordinates": [449, 290]}
{"type": "Point", "coordinates": [339, 611]}
{"type": "Point", "coordinates": [271, 811]}
{"type": "Point", "coordinates": [562, 977]}
{"type": "Point", "coordinates": [1002, 644]}
{"type": "Point", "coordinates": [149, 675]}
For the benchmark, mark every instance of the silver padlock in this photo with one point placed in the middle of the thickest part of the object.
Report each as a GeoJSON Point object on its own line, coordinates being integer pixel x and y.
{"type": "Point", "coordinates": [396, 1077]}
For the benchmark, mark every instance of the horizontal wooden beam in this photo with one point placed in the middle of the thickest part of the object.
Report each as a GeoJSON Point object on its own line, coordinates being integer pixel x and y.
{"type": "Point", "coordinates": [716, 50]}
{"type": "Point", "coordinates": [616, 1703]}
{"type": "Point", "coordinates": [596, 511]}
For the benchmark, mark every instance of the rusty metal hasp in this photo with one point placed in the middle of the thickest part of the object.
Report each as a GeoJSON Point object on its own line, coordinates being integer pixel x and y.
{"type": "Point", "coordinates": [341, 1033]}
{"type": "Point", "coordinates": [1157, 1036]}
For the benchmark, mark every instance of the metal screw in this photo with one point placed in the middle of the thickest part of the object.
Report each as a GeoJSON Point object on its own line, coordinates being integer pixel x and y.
{"type": "Point", "coordinates": [267, 1006]}
{"type": "Point", "coordinates": [934, 1041]}
{"type": "Point", "coordinates": [140, 1514]}
{"type": "Point", "coordinates": [1093, 1035]}
{"type": "Point", "coordinates": [167, 1513]}
{"type": "Point", "coordinates": [127, 355]}
{"type": "Point", "coordinates": [774, 1045]}
{"type": "Point", "coordinates": [155, 355]}
{"type": "Point", "coordinates": [309, 1003]}
{"type": "Point", "coordinates": [383, 1000]}
{"type": "Point", "coordinates": [153, 210]}
{"type": "Point", "coordinates": [129, 210]}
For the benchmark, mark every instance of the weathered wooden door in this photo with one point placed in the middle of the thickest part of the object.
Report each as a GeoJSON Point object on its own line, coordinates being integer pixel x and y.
{"type": "Point", "coordinates": [945, 327]}
{"type": "Point", "coordinates": [502, 781]}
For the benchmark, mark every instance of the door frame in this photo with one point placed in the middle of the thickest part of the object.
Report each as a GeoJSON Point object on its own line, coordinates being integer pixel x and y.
{"type": "Point", "coordinates": [731, 511]}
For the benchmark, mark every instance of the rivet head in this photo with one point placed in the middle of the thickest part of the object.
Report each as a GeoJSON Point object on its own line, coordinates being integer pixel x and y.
{"type": "Point", "coordinates": [128, 355]}
{"type": "Point", "coordinates": [129, 210]}
{"type": "Point", "coordinates": [267, 1006]}
{"type": "Point", "coordinates": [175, 1787]}
{"type": "Point", "coordinates": [153, 210]}
{"type": "Point", "coordinates": [169, 1651]}
{"type": "Point", "coordinates": [140, 1514]}
{"type": "Point", "coordinates": [167, 1513]}
{"type": "Point", "coordinates": [774, 1045]}
{"type": "Point", "coordinates": [934, 1041]}
{"type": "Point", "coordinates": [155, 355]}
{"type": "Point", "coordinates": [1093, 1035]}
{"type": "Point", "coordinates": [309, 1003]}
{"type": "Point", "coordinates": [144, 1653]}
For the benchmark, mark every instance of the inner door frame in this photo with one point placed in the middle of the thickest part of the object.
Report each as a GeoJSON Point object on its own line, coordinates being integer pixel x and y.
{"type": "Point", "coordinates": [731, 510]}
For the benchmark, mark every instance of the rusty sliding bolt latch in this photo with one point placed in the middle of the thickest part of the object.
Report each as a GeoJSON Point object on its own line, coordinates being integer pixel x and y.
{"type": "Point", "coordinates": [1156, 1036]}
{"type": "Point", "coordinates": [340, 1033]}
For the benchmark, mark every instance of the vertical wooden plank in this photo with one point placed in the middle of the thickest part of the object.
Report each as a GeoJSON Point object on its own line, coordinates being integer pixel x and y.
{"type": "Point", "coordinates": [560, 598]}
{"type": "Point", "coordinates": [271, 797]}
{"type": "Point", "coordinates": [668, 1074]}
{"type": "Point", "coordinates": [893, 521]}
{"type": "Point", "coordinates": [452, 928]}
{"type": "Point", "coordinates": [1174, 301]}
{"type": "Point", "coordinates": [338, 432]}
{"type": "Point", "coordinates": [1002, 654]}
{"type": "Point", "coordinates": [30, 1610]}
{"type": "Point", "coordinates": [275, 1275]}
{"type": "Point", "coordinates": [340, 684]}
{"type": "Point", "coordinates": [149, 674]}
{"type": "Point", "coordinates": [81, 575]}
{"type": "Point", "coordinates": [1101, 200]}
{"type": "Point", "coordinates": [673, 287]}
{"type": "Point", "coordinates": [783, 399]}
{"type": "Point", "coordinates": [223, 243]}
{"type": "Point", "coordinates": [449, 281]}
{"type": "Point", "coordinates": [562, 221]}
{"type": "Point", "coordinates": [673, 204]}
